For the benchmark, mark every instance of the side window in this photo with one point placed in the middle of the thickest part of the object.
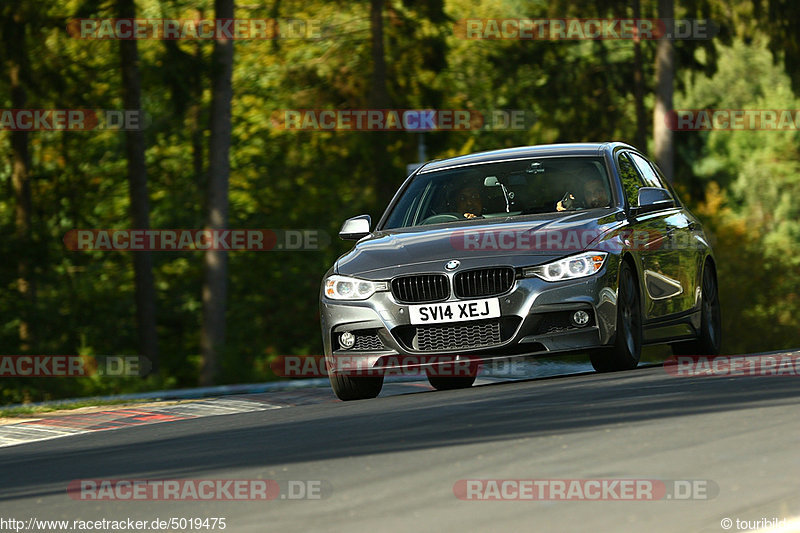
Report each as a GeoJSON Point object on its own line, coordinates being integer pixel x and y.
{"type": "Point", "coordinates": [647, 172]}
{"type": "Point", "coordinates": [631, 180]}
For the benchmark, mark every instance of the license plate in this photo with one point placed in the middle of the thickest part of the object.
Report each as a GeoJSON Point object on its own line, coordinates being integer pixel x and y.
{"type": "Point", "coordinates": [454, 311]}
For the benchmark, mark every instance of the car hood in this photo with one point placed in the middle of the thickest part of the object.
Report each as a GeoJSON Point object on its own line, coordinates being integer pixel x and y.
{"type": "Point", "coordinates": [517, 242]}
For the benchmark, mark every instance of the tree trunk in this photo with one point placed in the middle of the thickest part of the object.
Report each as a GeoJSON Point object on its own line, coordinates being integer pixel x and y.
{"type": "Point", "coordinates": [665, 74]}
{"type": "Point", "coordinates": [196, 120]}
{"type": "Point", "coordinates": [379, 96]}
{"type": "Point", "coordinates": [385, 186]}
{"type": "Point", "coordinates": [18, 69]}
{"type": "Point", "coordinates": [640, 140]}
{"type": "Point", "coordinates": [137, 190]}
{"type": "Point", "coordinates": [215, 284]}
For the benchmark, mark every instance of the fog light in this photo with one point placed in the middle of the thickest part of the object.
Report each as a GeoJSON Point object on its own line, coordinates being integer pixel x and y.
{"type": "Point", "coordinates": [580, 318]}
{"type": "Point", "coordinates": [347, 340]}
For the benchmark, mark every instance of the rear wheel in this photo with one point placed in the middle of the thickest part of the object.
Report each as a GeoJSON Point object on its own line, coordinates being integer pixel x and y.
{"type": "Point", "coordinates": [627, 349]}
{"type": "Point", "coordinates": [355, 388]}
{"type": "Point", "coordinates": [710, 338]}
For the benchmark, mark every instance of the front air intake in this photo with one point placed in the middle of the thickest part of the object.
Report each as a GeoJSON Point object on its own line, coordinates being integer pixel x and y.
{"type": "Point", "coordinates": [421, 288]}
{"type": "Point", "coordinates": [483, 282]}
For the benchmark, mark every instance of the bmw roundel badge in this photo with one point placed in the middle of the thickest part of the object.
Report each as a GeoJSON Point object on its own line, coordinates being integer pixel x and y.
{"type": "Point", "coordinates": [452, 265]}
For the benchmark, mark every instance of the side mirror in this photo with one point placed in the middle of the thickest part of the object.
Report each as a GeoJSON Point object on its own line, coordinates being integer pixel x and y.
{"type": "Point", "coordinates": [653, 199]}
{"type": "Point", "coordinates": [355, 228]}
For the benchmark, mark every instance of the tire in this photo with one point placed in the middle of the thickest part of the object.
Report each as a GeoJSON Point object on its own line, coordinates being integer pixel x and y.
{"type": "Point", "coordinates": [348, 388]}
{"type": "Point", "coordinates": [627, 348]}
{"type": "Point", "coordinates": [710, 338]}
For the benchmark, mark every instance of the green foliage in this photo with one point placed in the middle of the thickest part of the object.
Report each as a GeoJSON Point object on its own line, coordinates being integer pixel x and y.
{"type": "Point", "coordinates": [749, 183]}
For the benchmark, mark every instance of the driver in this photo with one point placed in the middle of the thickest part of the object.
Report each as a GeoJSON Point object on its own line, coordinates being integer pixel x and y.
{"type": "Point", "coordinates": [469, 202]}
{"type": "Point", "coordinates": [594, 195]}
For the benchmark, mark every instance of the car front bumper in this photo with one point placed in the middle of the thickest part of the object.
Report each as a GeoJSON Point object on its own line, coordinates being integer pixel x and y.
{"type": "Point", "coordinates": [534, 320]}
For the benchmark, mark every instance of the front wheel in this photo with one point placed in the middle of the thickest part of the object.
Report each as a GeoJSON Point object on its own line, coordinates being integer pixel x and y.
{"type": "Point", "coordinates": [627, 348]}
{"type": "Point", "coordinates": [355, 388]}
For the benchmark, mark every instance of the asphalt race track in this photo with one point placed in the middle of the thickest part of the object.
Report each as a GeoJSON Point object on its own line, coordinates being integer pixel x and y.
{"type": "Point", "coordinates": [391, 464]}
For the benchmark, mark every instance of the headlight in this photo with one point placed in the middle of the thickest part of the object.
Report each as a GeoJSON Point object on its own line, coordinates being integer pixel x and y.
{"type": "Point", "coordinates": [344, 288]}
{"type": "Point", "coordinates": [575, 266]}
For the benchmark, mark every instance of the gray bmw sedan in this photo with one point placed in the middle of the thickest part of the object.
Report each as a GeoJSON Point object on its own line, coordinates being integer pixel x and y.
{"type": "Point", "coordinates": [523, 251]}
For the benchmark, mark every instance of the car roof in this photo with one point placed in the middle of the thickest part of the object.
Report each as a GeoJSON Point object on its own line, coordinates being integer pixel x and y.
{"type": "Point", "coordinates": [522, 152]}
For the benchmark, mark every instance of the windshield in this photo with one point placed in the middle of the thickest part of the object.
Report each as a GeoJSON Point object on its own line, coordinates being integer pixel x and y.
{"type": "Point", "coordinates": [502, 189]}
